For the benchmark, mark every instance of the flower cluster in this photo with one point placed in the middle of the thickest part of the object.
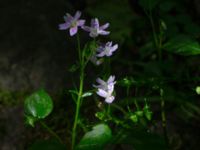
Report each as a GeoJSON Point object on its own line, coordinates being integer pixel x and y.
{"type": "Point", "coordinates": [105, 89]}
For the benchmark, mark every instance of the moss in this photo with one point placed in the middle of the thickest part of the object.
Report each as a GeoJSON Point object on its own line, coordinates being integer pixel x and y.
{"type": "Point", "coordinates": [11, 98]}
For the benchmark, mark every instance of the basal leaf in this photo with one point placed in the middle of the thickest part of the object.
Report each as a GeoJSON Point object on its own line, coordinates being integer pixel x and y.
{"type": "Point", "coordinates": [38, 105]}
{"type": "Point", "coordinates": [95, 139]}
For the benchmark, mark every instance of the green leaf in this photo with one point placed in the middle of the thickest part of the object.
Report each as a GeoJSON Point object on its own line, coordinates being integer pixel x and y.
{"type": "Point", "coordinates": [182, 45]}
{"type": "Point", "coordinates": [148, 4]}
{"type": "Point", "coordinates": [86, 94]}
{"type": "Point", "coordinates": [30, 120]}
{"type": "Point", "coordinates": [139, 113]}
{"type": "Point", "coordinates": [147, 112]}
{"type": "Point", "coordinates": [47, 145]}
{"type": "Point", "coordinates": [38, 105]}
{"type": "Point", "coordinates": [134, 118]}
{"type": "Point", "coordinates": [89, 49]}
{"type": "Point", "coordinates": [198, 90]}
{"type": "Point", "coordinates": [95, 139]}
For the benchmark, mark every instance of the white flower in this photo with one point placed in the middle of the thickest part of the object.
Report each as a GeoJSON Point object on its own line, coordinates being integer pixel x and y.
{"type": "Point", "coordinates": [106, 88]}
{"type": "Point", "coordinates": [106, 50]}
{"type": "Point", "coordinates": [96, 29]}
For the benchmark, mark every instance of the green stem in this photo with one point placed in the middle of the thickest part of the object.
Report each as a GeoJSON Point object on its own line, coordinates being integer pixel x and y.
{"type": "Point", "coordinates": [80, 93]}
{"type": "Point", "coordinates": [136, 104]}
{"type": "Point", "coordinates": [163, 116]}
{"type": "Point", "coordinates": [108, 111]}
{"type": "Point", "coordinates": [158, 45]}
{"type": "Point", "coordinates": [135, 100]}
{"type": "Point", "coordinates": [51, 131]}
{"type": "Point", "coordinates": [156, 39]}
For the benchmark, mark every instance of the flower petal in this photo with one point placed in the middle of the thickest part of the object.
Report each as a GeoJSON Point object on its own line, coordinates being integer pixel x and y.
{"type": "Point", "coordinates": [114, 48]}
{"type": "Point", "coordinates": [103, 27]}
{"type": "Point", "coordinates": [102, 32]}
{"type": "Point", "coordinates": [101, 54]}
{"type": "Point", "coordinates": [110, 89]}
{"type": "Point", "coordinates": [109, 44]}
{"type": "Point", "coordinates": [111, 79]}
{"type": "Point", "coordinates": [102, 93]}
{"type": "Point", "coordinates": [81, 23]}
{"type": "Point", "coordinates": [68, 17]}
{"type": "Point", "coordinates": [77, 15]}
{"type": "Point", "coordinates": [100, 49]}
{"type": "Point", "coordinates": [100, 81]}
{"type": "Point", "coordinates": [86, 28]}
{"type": "Point", "coordinates": [73, 30]}
{"type": "Point", "coordinates": [109, 99]}
{"type": "Point", "coordinates": [64, 26]}
{"type": "Point", "coordinates": [95, 23]}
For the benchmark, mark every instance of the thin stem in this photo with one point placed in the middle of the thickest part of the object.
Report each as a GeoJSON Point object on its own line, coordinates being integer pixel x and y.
{"type": "Point", "coordinates": [153, 28]}
{"type": "Point", "coordinates": [108, 111]}
{"type": "Point", "coordinates": [164, 123]}
{"type": "Point", "coordinates": [51, 131]}
{"type": "Point", "coordinates": [77, 112]}
{"type": "Point", "coordinates": [80, 93]}
{"type": "Point", "coordinates": [136, 104]}
{"type": "Point", "coordinates": [127, 101]}
{"type": "Point", "coordinates": [158, 45]}
{"type": "Point", "coordinates": [135, 100]}
{"type": "Point", "coordinates": [157, 41]}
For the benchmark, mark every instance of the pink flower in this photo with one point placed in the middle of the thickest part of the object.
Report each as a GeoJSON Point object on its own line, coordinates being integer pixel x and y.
{"type": "Point", "coordinates": [72, 23]}
{"type": "Point", "coordinates": [106, 50]}
{"type": "Point", "coordinates": [96, 29]}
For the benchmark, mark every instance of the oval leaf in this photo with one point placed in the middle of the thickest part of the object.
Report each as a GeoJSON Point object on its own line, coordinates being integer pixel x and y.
{"type": "Point", "coordinates": [183, 45]}
{"type": "Point", "coordinates": [95, 139]}
{"type": "Point", "coordinates": [198, 90]}
{"type": "Point", "coordinates": [38, 105]}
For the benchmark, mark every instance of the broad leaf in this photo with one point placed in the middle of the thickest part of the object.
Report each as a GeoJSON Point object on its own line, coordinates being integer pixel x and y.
{"type": "Point", "coordinates": [182, 45]}
{"type": "Point", "coordinates": [47, 145]}
{"type": "Point", "coordinates": [38, 105]}
{"type": "Point", "coordinates": [95, 139]}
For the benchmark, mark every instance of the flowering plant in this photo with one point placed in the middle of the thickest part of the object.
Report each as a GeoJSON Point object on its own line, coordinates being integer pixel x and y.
{"type": "Point", "coordinates": [119, 68]}
{"type": "Point", "coordinates": [39, 105]}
